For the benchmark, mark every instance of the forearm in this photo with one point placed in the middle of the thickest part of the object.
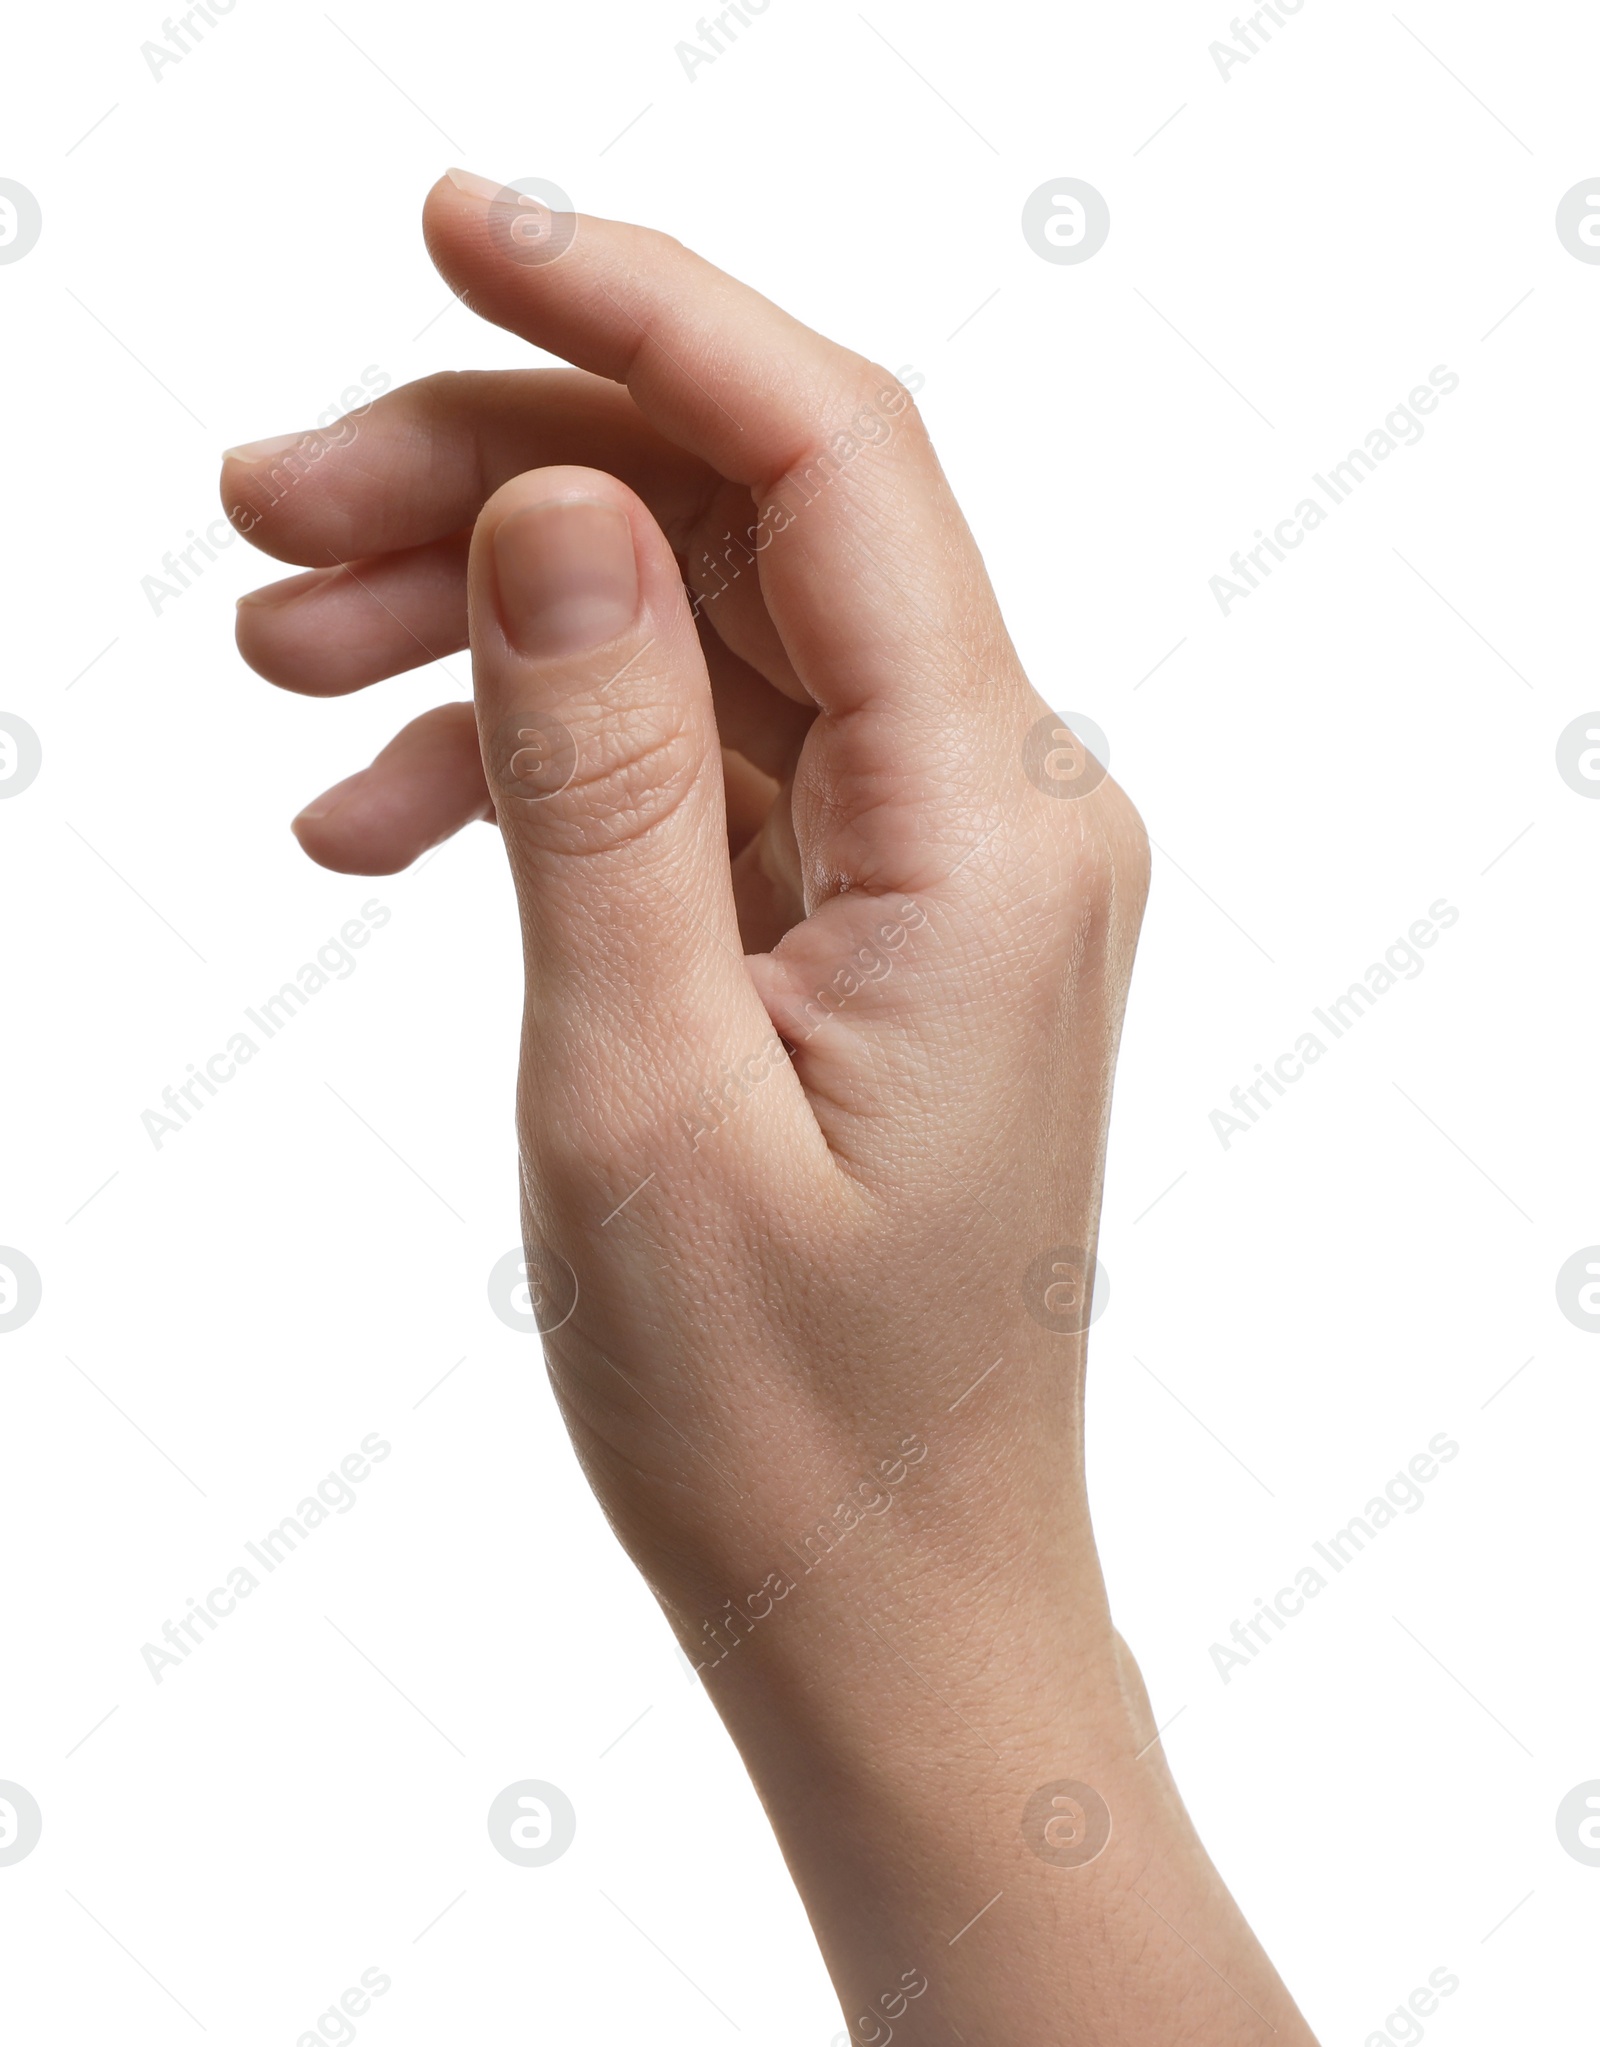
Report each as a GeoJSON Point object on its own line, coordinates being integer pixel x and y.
{"type": "Point", "coordinates": [965, 1783]}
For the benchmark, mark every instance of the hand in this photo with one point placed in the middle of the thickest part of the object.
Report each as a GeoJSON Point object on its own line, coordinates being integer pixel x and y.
{"type": "Point", "coordinates": [828, 927]}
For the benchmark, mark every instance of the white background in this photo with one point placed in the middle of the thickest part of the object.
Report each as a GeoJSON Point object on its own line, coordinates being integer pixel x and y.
{"type": "Point", "coordinates": [1290, 1322]}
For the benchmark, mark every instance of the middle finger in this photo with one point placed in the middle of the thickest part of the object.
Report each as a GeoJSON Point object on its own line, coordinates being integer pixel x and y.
{"type": "Point", "coordinates": [420, 463]}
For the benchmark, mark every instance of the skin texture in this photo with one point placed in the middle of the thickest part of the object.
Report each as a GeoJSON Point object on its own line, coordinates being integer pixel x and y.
{"type": "Point", "coordinates": [826, 953]}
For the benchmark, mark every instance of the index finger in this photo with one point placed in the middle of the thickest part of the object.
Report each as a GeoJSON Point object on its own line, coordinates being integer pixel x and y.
{"type": "Point", "coordinates": [872, 577]}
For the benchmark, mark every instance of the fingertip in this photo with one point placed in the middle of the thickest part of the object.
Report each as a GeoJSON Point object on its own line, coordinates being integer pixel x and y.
{"type": "Point", "coordinates": [456, 201]}
{"type": "Point", "coordinates": [241, 516]}
{"type": "Point", "coordinates": [487, 231]}
{"type": "Point", "coordinates": [336, 852]}
{"type": "Point", "coordinates": [284, 634]}
{"type": "Point", "coordinates": [426, 785]}
{"type": "Point", "coordinates": [323, 839]}
{"type": "Point", "coordinates": [352, 846]}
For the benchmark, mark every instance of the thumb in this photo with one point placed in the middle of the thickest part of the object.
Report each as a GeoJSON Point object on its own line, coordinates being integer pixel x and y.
{"type": "Point", "coordinates": [601, 751]}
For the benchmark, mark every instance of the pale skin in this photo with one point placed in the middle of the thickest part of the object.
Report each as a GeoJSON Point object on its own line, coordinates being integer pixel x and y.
{"type": "Point", "coordinates": [824, 987]}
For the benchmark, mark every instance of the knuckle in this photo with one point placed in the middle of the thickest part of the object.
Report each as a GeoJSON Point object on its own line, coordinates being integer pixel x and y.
{"type": "Point", "coordinates": [891, 399]}
{"type": "Point", "coordinates": [1111, 856]}
{"type": "Point", "coordinates": [1098, 852]}
{"type": "Point", "coordinates": [435, 396]}
{"type": "Point", "coordinates": [450, 402]}
{"type": "Point", "coordinates": [1127, 836]}
{"type": "Point", "coordinates": [614, 777]}
{"type": "Point", "coordinates": [650, 247]}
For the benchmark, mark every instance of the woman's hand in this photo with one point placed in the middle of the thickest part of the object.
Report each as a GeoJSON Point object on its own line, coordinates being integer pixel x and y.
{"type": "Point", "coordinates": [828, 926]}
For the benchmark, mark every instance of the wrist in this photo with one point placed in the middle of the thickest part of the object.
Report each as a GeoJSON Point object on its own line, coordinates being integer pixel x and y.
{"type": "Point", "coordinates": [926, 1694]}
{"type": "Point", "coordinates": [974, 1799]}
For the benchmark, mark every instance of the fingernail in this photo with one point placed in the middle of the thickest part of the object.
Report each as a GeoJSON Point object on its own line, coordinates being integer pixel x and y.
{"type": "Point", "coordinates": [323, 806]}
{"type": "Point", "coordinates": [567, 576]}
{"type": "Point", "coordinates": [486, 188]}
{"type": "Point", "coordinates": [259, 451]}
